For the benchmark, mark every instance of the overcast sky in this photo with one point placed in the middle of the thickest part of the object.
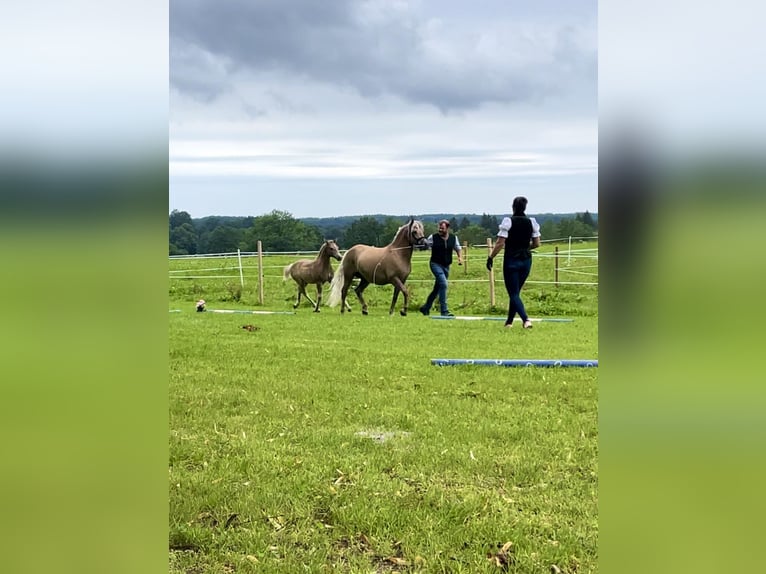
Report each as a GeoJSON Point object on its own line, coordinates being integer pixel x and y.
{"type": "Point", "coordinates": [346, 107]}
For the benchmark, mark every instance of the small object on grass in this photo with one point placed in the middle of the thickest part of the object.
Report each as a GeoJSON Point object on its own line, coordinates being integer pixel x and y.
{"type": "Point", "coordinates": [504, 558]}
{"type": "Point", "coordinates": [250, 327]}
{"type": "Point", "coordinates": [201, 306]}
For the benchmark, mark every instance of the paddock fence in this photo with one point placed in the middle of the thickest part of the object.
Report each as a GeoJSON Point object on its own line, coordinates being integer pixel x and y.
{"type": "Point", "coordinates": [570, 262]}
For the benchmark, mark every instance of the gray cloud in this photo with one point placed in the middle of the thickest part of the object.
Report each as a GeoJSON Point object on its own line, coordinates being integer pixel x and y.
{"type": "Point", "coordinates": [378, 48]}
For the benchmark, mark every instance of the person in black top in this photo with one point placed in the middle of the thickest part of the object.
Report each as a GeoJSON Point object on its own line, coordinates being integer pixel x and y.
{"type": "Point", "coordinates": [442, 245]}
{"type": "Point", "coordinates": [518, 234]}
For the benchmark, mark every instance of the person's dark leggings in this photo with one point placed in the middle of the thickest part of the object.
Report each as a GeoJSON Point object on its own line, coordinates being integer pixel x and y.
{"type": "Point", "coordinates": [515, 273]}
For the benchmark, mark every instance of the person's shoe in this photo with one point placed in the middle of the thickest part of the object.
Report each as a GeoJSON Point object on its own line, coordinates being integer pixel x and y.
{"type": "Point", "coordinates": [424, 311]}
{"type": "Point", "coordinates": [508, 325]}
{"type": "Point", "coordinates": [448, 314]}
{"type": "Point", "coordinates": [527, 324]}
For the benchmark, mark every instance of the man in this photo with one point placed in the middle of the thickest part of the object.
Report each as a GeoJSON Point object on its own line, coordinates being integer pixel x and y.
{"type": "Point", "coordinates": [441, 245]}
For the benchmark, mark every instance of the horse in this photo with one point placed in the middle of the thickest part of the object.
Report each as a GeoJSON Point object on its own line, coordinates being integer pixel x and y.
{"type": "Point", "coordinates": [378, 265]}
{"type": "Point", "coordinates": [313, 272]}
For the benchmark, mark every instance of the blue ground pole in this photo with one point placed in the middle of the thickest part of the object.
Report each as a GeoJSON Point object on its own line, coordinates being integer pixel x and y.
{"type": "Point", "coordinates": [517, 362]}
{"type": "Point", "coordinates": [468, 318]}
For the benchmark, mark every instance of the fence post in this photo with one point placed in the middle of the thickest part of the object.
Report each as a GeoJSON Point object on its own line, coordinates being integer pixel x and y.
{"type": "Point", "coordinates": [241, 277]}
{"type": "Point", "coordinates": [556, 267]}
{"type": "Point", "coordinates": [569, 256]}
{"type": "Point", "coordinates": [260, 273]}
{"type": "Point", "coordinates": [491, 277]}
{"type": "Point", "coordinates": [465, 258]}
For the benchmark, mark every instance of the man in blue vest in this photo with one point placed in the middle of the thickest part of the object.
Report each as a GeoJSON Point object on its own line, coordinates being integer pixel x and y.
{"type": "Point", "coordinates": [442, 245]}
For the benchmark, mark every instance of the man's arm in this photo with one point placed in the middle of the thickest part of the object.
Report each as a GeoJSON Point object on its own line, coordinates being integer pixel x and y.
{"type": "Point", "coordinates": [459, 251]}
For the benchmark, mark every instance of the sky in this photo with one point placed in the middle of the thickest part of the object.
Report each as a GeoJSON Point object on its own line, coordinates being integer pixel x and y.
{"type": "Point", "coordinates": [348, 107]}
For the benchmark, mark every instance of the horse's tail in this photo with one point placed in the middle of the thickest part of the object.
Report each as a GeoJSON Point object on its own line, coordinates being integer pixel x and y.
{"type": "Point", "coordinates": [286, 272]}
{"type": "Point", "coordinates": [336, 285]}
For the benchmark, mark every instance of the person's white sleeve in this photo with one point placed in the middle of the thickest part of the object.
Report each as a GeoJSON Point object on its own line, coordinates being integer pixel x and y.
{"type": "Point", "coordinates": [458, 247]}
{"type": "Point", "coordinates": [535, 227]}
{"type": "Point", "coordinates": [430, 241]}
{"type": "Point", "coordinates": [505, 227]}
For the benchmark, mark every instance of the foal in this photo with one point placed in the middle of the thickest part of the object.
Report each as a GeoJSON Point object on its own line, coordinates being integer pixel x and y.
{"type": "Point", "coordinates": [313, 272]}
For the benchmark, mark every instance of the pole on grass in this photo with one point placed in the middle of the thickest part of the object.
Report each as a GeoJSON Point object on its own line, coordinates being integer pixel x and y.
{"type": "Point", "coordinates": [556, 267]}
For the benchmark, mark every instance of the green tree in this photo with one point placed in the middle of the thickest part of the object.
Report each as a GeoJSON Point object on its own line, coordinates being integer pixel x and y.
{"type": "Point", "coordinates": [549, 229]}
{"type": "Point", "coordinates": [390, 227]}
{"type": "Point", "coordinates": [587, 219]}
{"type": "Point", "coordinates": [280, 231]}
{"type": "Point", "coordinates": [475, 235]}
{"type": "Point", "coordinates": [489, 223]}
{"type": "Point", "coordinates": [183, 239]}
{"type": "Point", "coordinates": [572, 227]}
{"type": "Point", "coordinates": [465, 222]}
{"type": "Point", "coordinates": [453, 225]}
{"type": "Point", "coordinates": [223, 239]}
{"type": "Point", "coordinates": [368, 231]}
{"type": "Point", "coordinates": [178, 218]}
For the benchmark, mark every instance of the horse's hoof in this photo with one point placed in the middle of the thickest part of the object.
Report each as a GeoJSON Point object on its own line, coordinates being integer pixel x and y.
{"type": "Point", "coordinates": [403, 313]}
{"type": "Point", "coordinates": [316, 310]}
{"type": "Point", "coordinates": [364, 312]}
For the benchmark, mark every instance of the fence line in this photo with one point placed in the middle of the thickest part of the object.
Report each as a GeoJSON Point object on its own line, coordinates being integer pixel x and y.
{"type": "Point", "coordinates": [584, 253]}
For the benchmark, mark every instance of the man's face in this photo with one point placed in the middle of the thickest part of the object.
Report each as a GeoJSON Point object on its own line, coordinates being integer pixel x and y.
{"type": "Point", "coordinates": [442, 229]}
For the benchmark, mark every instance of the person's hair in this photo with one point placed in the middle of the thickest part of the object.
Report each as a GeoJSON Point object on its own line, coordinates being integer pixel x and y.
{"type": "Point", "coordinates": [445, 222]}
{"type": "Point", "coordinates": [519, 205]}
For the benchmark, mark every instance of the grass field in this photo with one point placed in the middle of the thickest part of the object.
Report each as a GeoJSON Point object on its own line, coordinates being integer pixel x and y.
{"type": "Point", "coordinates": [328, 443]}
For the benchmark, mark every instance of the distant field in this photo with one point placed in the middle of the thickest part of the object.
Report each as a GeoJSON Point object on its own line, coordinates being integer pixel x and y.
{"type": "Point", "coordinates": [328, 443]}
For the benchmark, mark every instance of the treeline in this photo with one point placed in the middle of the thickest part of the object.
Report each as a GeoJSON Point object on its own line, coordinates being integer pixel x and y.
{"type": "Point", "coordinates": [280, 231]}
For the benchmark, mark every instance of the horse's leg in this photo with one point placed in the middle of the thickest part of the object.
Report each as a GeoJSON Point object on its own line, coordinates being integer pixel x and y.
{"type": "Point", "coordinates": [319, 297]}
{"type": "Point", "coordinates": [343, 293]}
{"type": "Point", "coordinates": [393, 300]}
{"type": "Point", "coordinates": [399, 286]}
{"type": "Point", "coordinates": [298, 300]}
{"type": "Point", "coordinates": [302, 291]}
{"type": "Point", "coordinates": [359, 289]}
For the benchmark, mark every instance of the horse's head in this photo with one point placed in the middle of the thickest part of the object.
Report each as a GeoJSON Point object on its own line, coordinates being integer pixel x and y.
{"type": "Point", "coordinates": [333, 250]}
{"type": "Point", "coordinates": [417, 232]}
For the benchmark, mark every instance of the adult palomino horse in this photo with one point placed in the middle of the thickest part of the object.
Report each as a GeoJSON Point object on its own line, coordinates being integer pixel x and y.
{"type": "Point", "coordinates": [378, 265]}
{"type": "Point", "coordinates": [313, 272]}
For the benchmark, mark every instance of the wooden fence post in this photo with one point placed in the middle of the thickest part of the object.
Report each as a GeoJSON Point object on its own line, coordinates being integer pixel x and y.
{"type": "Point", "coordinates": [465, 258]}
{"type": "Point", "coordinates": [260, 273]}
{"type": "Point", "coordinates": [556, 267]}
{"type": "Point", "coordinates": [491, 277]}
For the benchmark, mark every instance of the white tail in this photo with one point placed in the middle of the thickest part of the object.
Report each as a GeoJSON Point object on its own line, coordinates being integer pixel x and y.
{"type": "Point", "coordinates": [336, 285]}
{"type": "Point", "coordinates": [286, 273]}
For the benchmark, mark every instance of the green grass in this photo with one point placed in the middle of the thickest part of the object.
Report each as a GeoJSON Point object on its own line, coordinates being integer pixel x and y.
{"type": "Point", "coordinates": [328, 443]}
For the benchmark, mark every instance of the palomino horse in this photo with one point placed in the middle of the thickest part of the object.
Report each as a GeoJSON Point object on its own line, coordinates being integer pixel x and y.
{"type": "Point", "coordinates": [378, 265]}
{"type": "Point", "coordinates": [313, 272]}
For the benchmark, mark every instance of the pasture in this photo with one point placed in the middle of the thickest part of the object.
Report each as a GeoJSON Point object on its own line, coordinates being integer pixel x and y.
{"type": "Point", "coordinates": [317, 442]}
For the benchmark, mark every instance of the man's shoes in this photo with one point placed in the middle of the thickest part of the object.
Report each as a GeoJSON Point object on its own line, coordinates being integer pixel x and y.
{"type": "Point", "coordinates": [448, 314]}
{"type": "Point", "coordinates": [424, 311]}
{"type": "Point", "coordinates": [527, 324]}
